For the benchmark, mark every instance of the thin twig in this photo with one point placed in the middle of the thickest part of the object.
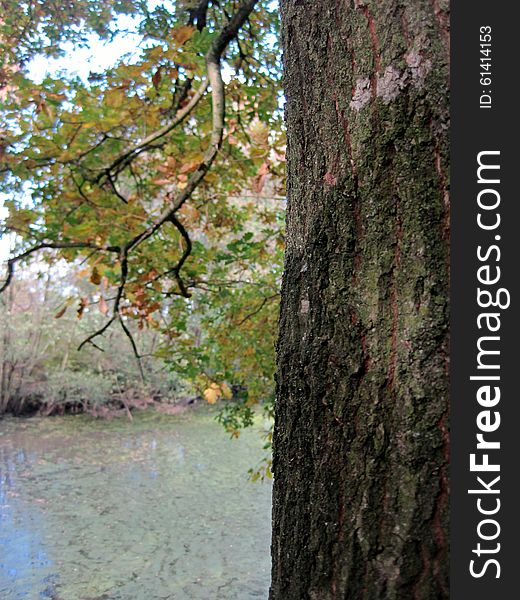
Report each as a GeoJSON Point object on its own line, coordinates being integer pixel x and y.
{"type": "Point", "coordinates": [258, 309]}
{"type": "Point", "coordinates": [52, 246]}
{"type": "Point", "coordinates": [96, 333]}
{"type": "Point", "coordinates": [134, 348]}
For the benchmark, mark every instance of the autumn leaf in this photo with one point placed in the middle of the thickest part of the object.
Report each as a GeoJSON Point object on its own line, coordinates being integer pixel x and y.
{"type": "Point", "coordinates": [189, 166]}
{"type": "Point", "coordinates": [156, 79]}
{"type": "Point", "coordinates": [260, 177]}
{"type": "Point", "coordinates": [182, 34]}
{"type": "Point", "coordinates": [216, 391]}
{"type": "Point", "coordinates": [226, 391]}
{"type": "Point", "coordinates": [161, 181]}
{"type": "Point", "coordinates": [114, 97]}
{"type": "Point", "coordinates": [259, 133]}
{"type": "Point", "coordinates": [103, 306]}
{"type": "Point", "coordinates": [83, 303]}
{"type": "Point", "coordinates": [19, 219]}
{"type": "Point", "coordinates": [211, 395]}
{"type": "Point", "coordinates": [61, 312]}
{"type": "Point", "coordinates": [95, 276]}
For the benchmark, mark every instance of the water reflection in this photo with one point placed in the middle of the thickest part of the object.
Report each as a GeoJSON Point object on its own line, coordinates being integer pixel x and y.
{"type": "Point", "coordinates": [154, 509]}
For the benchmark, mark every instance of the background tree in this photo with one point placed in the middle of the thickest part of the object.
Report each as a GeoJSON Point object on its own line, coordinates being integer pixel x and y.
{"type": "Point", "coordinates": [361, 442]}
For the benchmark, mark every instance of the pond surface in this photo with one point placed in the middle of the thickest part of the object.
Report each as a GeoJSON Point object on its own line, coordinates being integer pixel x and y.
{"type": "Point", "coordinates": [157, 508]}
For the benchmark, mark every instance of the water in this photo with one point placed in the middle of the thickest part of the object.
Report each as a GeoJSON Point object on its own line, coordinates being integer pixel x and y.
{"type": "Point", "coordinates": [157, 508]}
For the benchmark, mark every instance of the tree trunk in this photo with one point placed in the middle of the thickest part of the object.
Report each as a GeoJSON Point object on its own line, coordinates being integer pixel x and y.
{"type": "Point", "coordinates": [361, 444]}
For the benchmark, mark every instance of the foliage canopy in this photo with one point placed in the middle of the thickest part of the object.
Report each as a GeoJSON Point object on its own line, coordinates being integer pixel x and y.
{"type": "Point", "coordinates": [159, 180]}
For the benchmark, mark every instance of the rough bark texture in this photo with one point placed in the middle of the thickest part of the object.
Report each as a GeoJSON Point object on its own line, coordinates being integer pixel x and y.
{"type": "Point", "coordinates": [361, 443]}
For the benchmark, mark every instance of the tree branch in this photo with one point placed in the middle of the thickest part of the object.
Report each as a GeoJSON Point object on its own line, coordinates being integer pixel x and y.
{"type": "Point", "coordinates": [258, 309]}
{"type": "Point", "coordinates": [134, 347]}
{"type": "Point", "coordinates": [97, 333]}
{"type": "Point", "coordinates": [126, 157]}
{"type": "Point", "coordinates": [187, 251]}
{"type": "Point", "coordinates": [53, 246]}
{"type": "Point", "coordinates": [213, 58]}
{"type": "Point", "coordinates": [214, 79]}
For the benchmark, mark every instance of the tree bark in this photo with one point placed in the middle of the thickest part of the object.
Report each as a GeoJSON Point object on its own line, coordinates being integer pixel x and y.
{"type": "Point", "coordinates": [361, 442]}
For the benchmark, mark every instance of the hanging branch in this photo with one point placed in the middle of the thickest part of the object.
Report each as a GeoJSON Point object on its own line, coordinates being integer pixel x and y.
{"type": "Point", "coordinates": [213, 80]}
{"type": "Point", "coordinates": [96, 334]}
{"type": "Point", "coordinates": [134, 348]}
{"type": "Point", "coordinates": [53, 246]}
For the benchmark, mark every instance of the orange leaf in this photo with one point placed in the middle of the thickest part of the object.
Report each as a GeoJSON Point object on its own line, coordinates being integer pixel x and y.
{"type": "Point", "coordinates": [211, 395]}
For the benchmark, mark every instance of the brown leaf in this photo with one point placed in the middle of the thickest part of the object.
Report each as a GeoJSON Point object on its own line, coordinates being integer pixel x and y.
{"type": "Point", "coordinates": [83, 303]}
{"type": "Point", "coordinates": [61, 312]}
{"type": "Point", "coordinates": [183, 34]}
{"type": "Point", "coordinates": [260, 177]}
{"type": "Point", "coordinates": [189, 166]}
{"type": "Point", "coordinates": [156, 79]}
{"type": "Point", "coordinates": [95, 276]}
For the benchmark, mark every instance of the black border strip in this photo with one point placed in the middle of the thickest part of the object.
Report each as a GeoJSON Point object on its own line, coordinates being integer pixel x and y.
{"type": "Point", "coordinates": [477, 127]}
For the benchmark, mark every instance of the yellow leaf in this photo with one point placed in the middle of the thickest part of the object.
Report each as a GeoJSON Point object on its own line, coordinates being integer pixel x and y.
{"type": "Point", "coordinates": [226, 391]}
{"type": "Point", "coordinates": [211, 395]}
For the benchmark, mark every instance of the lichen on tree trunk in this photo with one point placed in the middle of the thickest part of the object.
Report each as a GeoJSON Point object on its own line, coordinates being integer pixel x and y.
{"type": "Point", "coordinates": [361, 442]}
